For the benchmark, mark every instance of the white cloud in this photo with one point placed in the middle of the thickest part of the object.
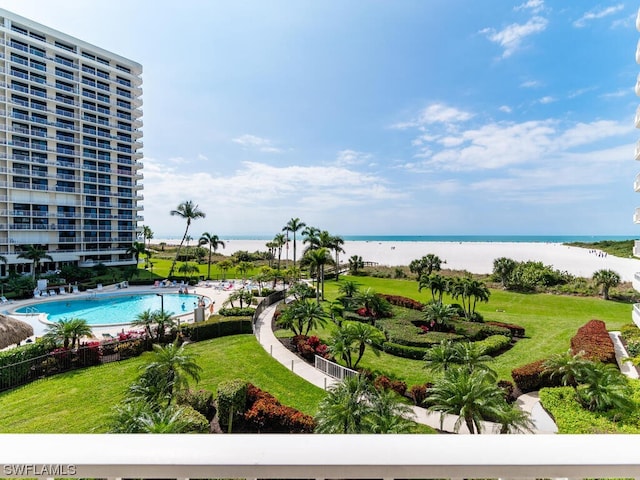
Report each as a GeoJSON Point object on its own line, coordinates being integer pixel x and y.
{"type": "Point", "coordinates": [352, 157]}
{"type": "Point", "coordinates": [505, 109]}
{"type": "Point", "coordinates": [436, 113]}
{"type": "Point", "coordinates": [536, 6]}
{"type": "Point", "coordinates": [510, 38]}
{"type": "Point", "coordinates": [256, 143]}
{"type": "Point", "coordinates": [256, 193]}
{"type": "Point", "coordinates": [597, 14]}
{"type": "Point", "coordinates": [618, 93]}
{"type": "Point", "coordinates": [546, 100]}
{"type": "Point", "coordinates": [530, 84]}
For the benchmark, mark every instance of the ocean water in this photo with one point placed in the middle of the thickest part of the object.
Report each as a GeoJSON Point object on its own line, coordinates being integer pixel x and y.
{"type": "Point", "coordinates": [450, 238]}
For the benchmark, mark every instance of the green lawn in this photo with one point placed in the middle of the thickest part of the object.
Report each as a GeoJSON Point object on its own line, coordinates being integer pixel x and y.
{"type": "Point", "coordinates": [81, 401]}
{"type": "Point", "coordinates": [549, 320]}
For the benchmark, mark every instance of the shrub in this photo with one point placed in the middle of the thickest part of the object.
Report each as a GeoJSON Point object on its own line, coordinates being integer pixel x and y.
{"type": "Point", "coordinates": [494, 344]}
{"type": "Point", "coordinates": [630, 333]}
{"type": "Point", "coordinates": [266, 414]}
{"type": "Point", "coordinates": [196, 421]}
{"type": "Point", "coordinates": [415, 353]}
{"type": "Point", "coordinates": [382, 382]}
{"type": "Point", "coordinates": [309, 347]}
{"type": "Point", "coordinates": [130, 348]}
{"type": "Point", "coordinates": [593, 339]}
{"type": "Point", "coordinates": [237, 312]}
{"type": "Point", "coordinates": [477, 331]}
{"type": "Point", "coordinates": [532, 377]}
{"type": "Point", "coordinates": [516, 330]}
{"type": "Point", "coordinates": [232, 400]}
{"type": "Point", "coordinates": [217, 326]}
{"type": "Point", "coordinates": [404, 332]}
{"type": "Point", "coordinates": [401, 301]}
{"type": "Point", "coordinates": [508, 388]}
{"type": "Point", "coordinates": [200, 400]}
{"type": "Point", "coordinates": [419, 393]}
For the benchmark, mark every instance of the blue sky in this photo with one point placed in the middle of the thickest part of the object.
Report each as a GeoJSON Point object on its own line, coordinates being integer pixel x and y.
{"type": "Point", "coordinates": [378, 117]}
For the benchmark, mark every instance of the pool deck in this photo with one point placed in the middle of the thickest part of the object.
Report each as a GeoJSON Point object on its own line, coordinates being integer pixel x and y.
{"type": "Point", "coordinates": [211, 292]}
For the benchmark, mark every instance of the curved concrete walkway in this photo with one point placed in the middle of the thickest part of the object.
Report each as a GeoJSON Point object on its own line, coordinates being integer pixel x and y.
{"type": "Point", "coordinates": [264, 333]}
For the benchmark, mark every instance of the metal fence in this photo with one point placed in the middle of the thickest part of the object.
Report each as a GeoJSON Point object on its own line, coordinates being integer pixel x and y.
{"type": "Point", "coordinates": [333, 369]}
{"type": "Point", "coordinates": [60, 361]}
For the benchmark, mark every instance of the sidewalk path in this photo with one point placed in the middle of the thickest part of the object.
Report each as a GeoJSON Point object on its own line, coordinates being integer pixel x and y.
{"type": "Point", "coordinates": [264, 334]}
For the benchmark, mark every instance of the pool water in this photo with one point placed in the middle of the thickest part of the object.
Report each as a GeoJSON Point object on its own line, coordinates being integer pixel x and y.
{"type": "Point", "coordinates": [113, 310]}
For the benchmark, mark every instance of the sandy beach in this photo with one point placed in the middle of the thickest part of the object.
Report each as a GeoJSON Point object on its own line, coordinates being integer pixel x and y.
{"type": "Point", "coordinates": [475, 257]}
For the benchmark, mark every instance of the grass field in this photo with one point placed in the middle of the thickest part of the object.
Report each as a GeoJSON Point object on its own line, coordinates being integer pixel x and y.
{"type": "Point", "coordinates": [81, 401]}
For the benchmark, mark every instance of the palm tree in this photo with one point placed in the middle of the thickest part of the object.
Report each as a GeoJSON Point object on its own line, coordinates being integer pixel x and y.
{"type": "Point", "coordinates": [225, 265]}
{"type": "Point", "coordinates": [190, 212]}
{"type": "Point", "coordinates": [175, 364]}
{"type": "Point", "coordinates": [301, 316]}
{"type": "Point", "coordinates": [602, 387]}
{"type": "Point", "coordinates": [514, 420]}
{"type": "Point", "coordinates": [188, 269]}
{"type": "Point", "coordinates": [36, 254]}
{"type": "Point", "coordinates": [243, 268]}
{"type": "Point", "coordinates": [473, 396]}
{"type": "Point", "coordinates": [470, 291]}
{"type": "Point", "coordinates": [71, 329]}
{"type": "Point", "coordinates": [147, 235]}
{"type": "Point", "coordinates": [606, 279]}
{"type": "Point", "coordinates": [364, 335]}
{"type": "Point", "coordinates": [335, 244]}
{"type": "Point", "coordinates": [317, 259]}
{"type": "Point", "coordinates": [427, 263]}
{"type": "Point", "coordinates": [344, 409]}
{"type": "Point", "coordinates": [279, 241]}
{"type": "Point", "coordinates": [375, 306]}
{"type": "Point", "coordinates": [355, 264]}
{"type": "Point", "coordinates": [439, 315]}
{"type": "Point", "coordinates": [503, 267]}
{"type": "Point", "coordinates": [145, 319]}
{"type": "Point", "coordinates": [293, 226]}
{"type": "Point", "coordinates": [348, 288]}
{"type": "Point", "coordinates": [163, 320]}
{"type": "Point", "coordinates": [136, 249]}
{"type": "Point", "coordinates": [213, 242]}
{"type": "Point", "coordinates": [436, 283]}
{"type": "Point", "coordinates": [441, 356]}
{"type": "Point", "coordinates": [567, 366]}
{"type": "Point", "coordinates": [388, 415]}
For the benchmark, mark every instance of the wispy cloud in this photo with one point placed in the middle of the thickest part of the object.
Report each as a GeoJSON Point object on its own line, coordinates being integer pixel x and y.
{"type": "Point", "coordinates": [511, 37]}
{"type": "Point", "coordinates": [535, 6]}
{"type": "Point", "coordinates": [547, 99]}
{"type": "Point", "coordinates": [597, 14]}
{"type": "Point", "coordinates": [352, 157]}
{"type": "Point", "coordinates": [436, 113]}
{"type": "Point", "coordinates": [505, 109]}
{"type": "Point", "coordinates": [618, 93]}
{"type": "Point", "coordinates": [531, 84]}
{"type": "Point", "coordinates": [254, 142]}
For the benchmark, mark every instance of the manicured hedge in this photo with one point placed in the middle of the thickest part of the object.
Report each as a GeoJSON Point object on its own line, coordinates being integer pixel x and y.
{"type": "Point", "coordinates": [217, 326]}
{"type": "Point", "coordinates": [477, 331]}
{"type": "Point", "coordinates": [232, 398]}
{"type": "Point", "coordinates": [415, 353]}
{"type": "Point", "coordinates": [532, 377]}
{"type": "Point", "coordinates": [494, 344]}
{"type": "Point", "coordinates": [401, 301]}
{"type": "Point", "coordinates": [593, 339]}
{"type": "Point", "coordinates": [267, 415]}
{"type": "Point", "coordinates": [516, 330]}
{"type": "Point", "coordinates": [406, 333]}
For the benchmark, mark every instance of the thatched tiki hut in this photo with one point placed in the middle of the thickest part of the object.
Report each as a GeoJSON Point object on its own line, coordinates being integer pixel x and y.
{"type": "Point", "coordinates": [13, 331]}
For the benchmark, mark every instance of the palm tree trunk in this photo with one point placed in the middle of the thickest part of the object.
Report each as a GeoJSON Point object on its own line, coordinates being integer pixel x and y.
{"type": "Point", "coordinates": [184, 237]}
{"type": "Point", "coordinates": [470, 425]}
{"type": "Point", "coordinates": [209, 265]}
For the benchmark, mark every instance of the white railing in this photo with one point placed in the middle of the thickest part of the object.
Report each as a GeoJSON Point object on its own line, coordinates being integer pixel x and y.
{"type": "Point", "coordinates": [320, 456]}
{"type": "Point", "coordinates": [333, 369]}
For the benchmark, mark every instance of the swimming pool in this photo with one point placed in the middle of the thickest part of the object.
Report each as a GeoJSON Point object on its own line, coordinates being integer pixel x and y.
{"type": "Point", "coordinates": [112, 310]}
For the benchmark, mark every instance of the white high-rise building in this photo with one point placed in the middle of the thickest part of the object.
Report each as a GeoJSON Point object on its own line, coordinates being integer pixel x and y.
{"type": "Point", "coordinates": [70, 149]}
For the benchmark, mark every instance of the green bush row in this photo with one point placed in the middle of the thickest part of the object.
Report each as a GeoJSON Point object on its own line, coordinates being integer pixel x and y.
{"type": "Point", "coordinates": [494, 344]}
{"type": "Point", "coordinates": [232, 399]}
{"type": "Point", "coordinates": [477, 331]}
{"type": "Point", "coordinates": [404, 351]}
{"type": "Point", "coordinates": [217, 326]}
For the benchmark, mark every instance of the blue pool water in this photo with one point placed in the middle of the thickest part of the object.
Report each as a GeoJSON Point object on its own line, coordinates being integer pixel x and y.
{"type": "Point", "coordinates": [112, 310]}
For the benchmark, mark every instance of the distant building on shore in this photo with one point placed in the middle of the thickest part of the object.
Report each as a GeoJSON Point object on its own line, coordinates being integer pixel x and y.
{"type": "Point", "coordinates": [70, 149]}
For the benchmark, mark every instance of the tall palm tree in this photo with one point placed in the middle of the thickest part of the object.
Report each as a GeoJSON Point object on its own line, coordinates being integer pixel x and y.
{"type": "Point", "coordinates": [364, 335]}
{"type": "Point", "coordinates": [293, 226]}
{"type": "Point", "coordinates": [335, 243]}
{"type": "Point", "coordinates": [441, 356]}
{"type": "Point", "coordinates": [427, 264]}
{"type": "Point", "coordinates": [470, 291]}
{"type": "Point", "coordinates": [213, 242]}
{"type": "Point", "coordinates": [136, 249]}
{"type": "Point", "coordinates": [176, 364]}
{"type": "Point", "coordinates": [606, 279]}
{"type": "Point", "coordinates": [316, 259]}
{"type": "Point", "coordinates": [473, 396]}
{"type": "Point", "coordinates": [279, 241]}
{"type": "Point", "coordinates": [145, 319]}
{"type": "Point", "coordinates": [225, 265]}
{"type": "Point", "coordinates": [36, 254]}
{"type": "Point", "coordinates": [189, 211]}
{"type": "Point", "coordinates": [310, 235]}
{"type": "Point", "coordinates": [355, 264]}
{"type": "Point", "coordinates": [147, 235]}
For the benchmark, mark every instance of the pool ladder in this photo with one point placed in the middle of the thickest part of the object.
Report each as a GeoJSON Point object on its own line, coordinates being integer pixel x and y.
{"type": "Point", "coordinates": [32, 311]}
